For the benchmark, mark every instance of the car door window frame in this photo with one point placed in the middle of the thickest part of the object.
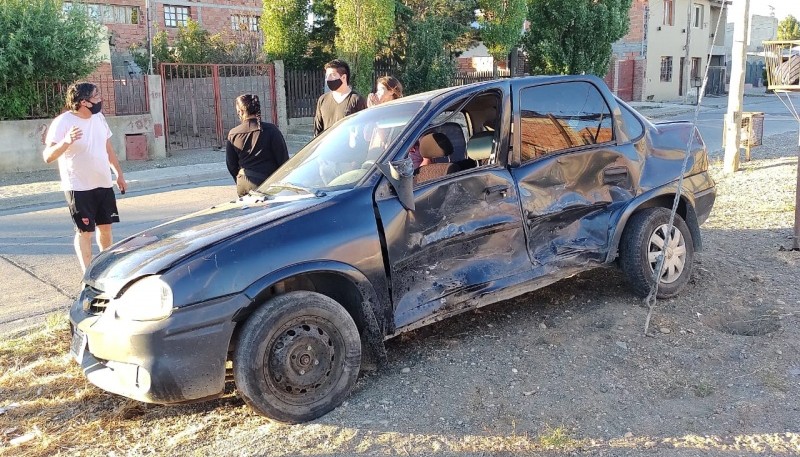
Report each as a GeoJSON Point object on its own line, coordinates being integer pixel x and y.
{"type": "Point", "coordinates": [517, 139]}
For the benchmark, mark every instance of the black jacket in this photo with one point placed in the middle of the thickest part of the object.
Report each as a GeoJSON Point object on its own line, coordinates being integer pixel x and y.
{"type": "Point", "coordinates": [257, 147]}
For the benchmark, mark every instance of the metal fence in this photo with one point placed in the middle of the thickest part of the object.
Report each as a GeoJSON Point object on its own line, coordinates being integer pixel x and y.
{"type": "Point", "coordinates": [461, 78]}
{"type": "Point", "coordinates": [121, 96]}
{"type": "Point", "coordinates": [199, 100]}
{"type": "Point", "coordinates": [304, 87]}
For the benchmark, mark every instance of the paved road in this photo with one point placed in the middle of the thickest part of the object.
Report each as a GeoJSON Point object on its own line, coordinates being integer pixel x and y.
{"type": "Point", "coordinates": [777, 118]}
{"type": "Point", "coordinates": [37, 262]}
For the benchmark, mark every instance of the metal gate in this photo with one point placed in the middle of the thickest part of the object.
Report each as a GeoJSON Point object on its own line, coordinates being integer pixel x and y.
{"type": "Point", "coordinates": [625, 80]}
{"type": "Point", "coordinates": [199, 100]}
{"type": "Point", "coordinates": [716, 81]}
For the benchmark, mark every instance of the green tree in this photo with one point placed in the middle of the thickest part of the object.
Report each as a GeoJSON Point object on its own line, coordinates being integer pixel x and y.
{"type": "Point", "coordinates": [453, 18]}
{"type": "Point", "coordinates": [321, 38]}
{"type": "Point", "coordinates": [429, 32]}
{"type": "Point", "coordinates": [41, 42]}
{"type": "Point", "coordinates": [362, 26]}
{"type": "Point", "coordinates": [500, 24]}
{"type": "Point", "coordinates": [574, 36]}
{"type": "Point", "coordinates": [427, 64]}
{"type": "Point", "coordinates": [284, 26]}
{"type": "Point", "coordinates": [789, 29]}
{"type": "Point", "coordinates": [194, 44]}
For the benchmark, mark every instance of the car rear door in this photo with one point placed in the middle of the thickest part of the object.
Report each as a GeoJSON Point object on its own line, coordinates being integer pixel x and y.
{"type": "Point", "coordinates": [570, 170]}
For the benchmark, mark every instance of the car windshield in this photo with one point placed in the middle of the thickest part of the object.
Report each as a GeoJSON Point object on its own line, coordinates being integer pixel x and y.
{"type": "Point", "coordinates": [342, 155]}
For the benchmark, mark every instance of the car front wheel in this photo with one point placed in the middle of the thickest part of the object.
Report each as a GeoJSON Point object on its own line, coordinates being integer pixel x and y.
{"type": "Point", "coordinates": [297, 357]}
{"type": "Point", "coordinates": [645, 238]}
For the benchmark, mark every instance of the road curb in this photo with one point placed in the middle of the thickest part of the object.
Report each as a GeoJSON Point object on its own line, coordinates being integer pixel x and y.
{"type": "Point", "coordinates": [138, 182]}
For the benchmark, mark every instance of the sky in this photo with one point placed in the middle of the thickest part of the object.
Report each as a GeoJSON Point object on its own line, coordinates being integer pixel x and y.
{"type": "Point", "coordinates": [783, 8]}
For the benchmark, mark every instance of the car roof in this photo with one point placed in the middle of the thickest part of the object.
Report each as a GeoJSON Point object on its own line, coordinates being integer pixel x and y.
{"type": "Point", "coordinates": [467, 88]}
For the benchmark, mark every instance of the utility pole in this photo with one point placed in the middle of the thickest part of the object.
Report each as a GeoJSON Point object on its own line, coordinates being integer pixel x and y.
{"type": "Point", "coordinates": [149, 38]}
{"type": "Point", "coordinates": [687, 62]}
{"type": "Point", "coordinates": [733, 118]}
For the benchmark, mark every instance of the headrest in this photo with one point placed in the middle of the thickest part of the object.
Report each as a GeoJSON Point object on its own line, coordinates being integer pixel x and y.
{"type": "Point", "coordinates": [435, 145]}
{"type": "Point", "coordinates": [479, 146]}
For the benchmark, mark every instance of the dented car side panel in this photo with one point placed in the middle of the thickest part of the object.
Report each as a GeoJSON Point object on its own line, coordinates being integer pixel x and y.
{"type": "Point", "coordinates": [464, 235]}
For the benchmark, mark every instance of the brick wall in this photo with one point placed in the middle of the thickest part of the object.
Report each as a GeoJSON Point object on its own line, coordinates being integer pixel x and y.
{"type": "Point", "coordinates": [103, 79]}
{"type": "Point", "coordinates": [213, 15]}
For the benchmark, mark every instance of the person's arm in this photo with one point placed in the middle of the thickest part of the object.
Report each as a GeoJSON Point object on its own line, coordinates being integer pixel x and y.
{"type": "Point", "coordinates": [279, 149]}
{"type": "Point", "coordinates": [319, 124]}
{"type": "Point", "coordinates": [231, 159]}
{"type": "Point", "coordinates": [54, 150]}
{"type": "Point", "coordinates": [112, 159]}
{"type": "Point", "coordinates": [361, 103]}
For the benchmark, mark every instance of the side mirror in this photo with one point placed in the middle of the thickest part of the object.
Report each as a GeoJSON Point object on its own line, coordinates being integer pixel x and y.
{"type": "Point", "coordinates": [400, 174]}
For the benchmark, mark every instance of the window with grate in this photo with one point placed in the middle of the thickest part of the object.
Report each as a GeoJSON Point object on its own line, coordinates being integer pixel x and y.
{"type": "Point", "coordinates": [175, 16]}
{"type": "Point", "coordinates": [669, 12]}
{"type": "Point", "coordinates": [666, 69]}
{"type": "Point", "coordinates": [109, 14]}
{"type": "Point", "coordinates": [244, 23]}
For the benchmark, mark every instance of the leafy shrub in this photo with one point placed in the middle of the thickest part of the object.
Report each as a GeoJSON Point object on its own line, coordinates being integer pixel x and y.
{"type": "Point", "coordinates": [40, 43]}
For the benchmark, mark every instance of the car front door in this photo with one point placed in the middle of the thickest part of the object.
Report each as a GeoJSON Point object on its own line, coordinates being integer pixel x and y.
{"type": "Point", "coordinates": [571, 172]}
{"type": "Point", "coordinates": [463, 241]}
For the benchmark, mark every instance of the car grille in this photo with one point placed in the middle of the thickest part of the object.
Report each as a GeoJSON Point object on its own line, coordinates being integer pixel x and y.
{"type": "Point", "coordinates": [94, 301]}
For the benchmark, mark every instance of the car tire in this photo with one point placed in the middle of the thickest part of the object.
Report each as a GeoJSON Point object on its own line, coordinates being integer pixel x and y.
{"type": "Point", "coordinates": [639, 250]}
{"type": "Point", "coordinates": [297, 357]}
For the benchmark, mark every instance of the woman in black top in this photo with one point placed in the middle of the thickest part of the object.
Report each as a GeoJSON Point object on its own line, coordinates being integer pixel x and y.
{"type": "Point", "coordinates": [254, 149]}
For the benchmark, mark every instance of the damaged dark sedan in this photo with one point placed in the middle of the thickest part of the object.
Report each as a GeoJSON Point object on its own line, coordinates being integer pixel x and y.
{"type": "Point", "coordinates": [400, 215]}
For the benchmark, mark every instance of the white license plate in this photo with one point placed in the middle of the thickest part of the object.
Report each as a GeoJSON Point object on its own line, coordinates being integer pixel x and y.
{"type": "Point", "coordinates": [78, 345]}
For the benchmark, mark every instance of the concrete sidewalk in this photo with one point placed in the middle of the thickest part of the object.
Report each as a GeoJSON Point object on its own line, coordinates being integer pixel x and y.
{"type": "Point", "coordinates": [19, 197]}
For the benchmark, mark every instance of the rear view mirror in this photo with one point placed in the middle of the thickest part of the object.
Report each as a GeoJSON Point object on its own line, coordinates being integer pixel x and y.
{"type": "Point", "coordinates": [400, 174]}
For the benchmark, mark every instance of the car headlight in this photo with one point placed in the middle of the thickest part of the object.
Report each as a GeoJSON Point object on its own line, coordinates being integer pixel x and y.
{"type": "Point", "coordinates": [148, 299]}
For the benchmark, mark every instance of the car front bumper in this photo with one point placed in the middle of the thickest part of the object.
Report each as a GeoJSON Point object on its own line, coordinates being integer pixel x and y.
{"type": "Point", "coordinates": [174, 360]}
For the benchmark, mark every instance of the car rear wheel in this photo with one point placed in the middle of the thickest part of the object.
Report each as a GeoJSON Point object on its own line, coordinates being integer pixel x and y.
{"type": "Point", "coordinates": [644, 239]}
{"type": "Point", "coordinates": [297, 357]}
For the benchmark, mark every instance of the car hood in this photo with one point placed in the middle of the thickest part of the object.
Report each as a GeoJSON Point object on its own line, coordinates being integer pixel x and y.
{"type": "Point", "coordinates": [156, 249]}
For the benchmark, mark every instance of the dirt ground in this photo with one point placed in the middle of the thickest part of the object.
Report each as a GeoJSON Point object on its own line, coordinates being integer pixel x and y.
{"type": "Point", "coordinates": [566, 370]}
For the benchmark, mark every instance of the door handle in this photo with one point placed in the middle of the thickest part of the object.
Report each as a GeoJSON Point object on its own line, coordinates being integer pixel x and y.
{"type": "Point", "coordinates": [615, 175]}
{"type": "Point", "coordinates": [501, 190]}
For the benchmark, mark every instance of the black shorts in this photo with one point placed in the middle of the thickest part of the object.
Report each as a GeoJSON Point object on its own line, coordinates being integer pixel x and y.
{"type": "Point", "coordinates": [92, 207]}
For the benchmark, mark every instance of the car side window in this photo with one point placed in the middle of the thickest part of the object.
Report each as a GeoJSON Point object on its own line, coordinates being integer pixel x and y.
{"type": "Point", "coordinates": [632, 126]}
{"type": "Point", "coordinates": [458, 139]}
{"type": "Point", "coordinates": [561, 116]}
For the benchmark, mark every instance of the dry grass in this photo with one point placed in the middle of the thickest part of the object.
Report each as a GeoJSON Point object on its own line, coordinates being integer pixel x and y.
{"type": "Point", "coordinates": [51, 409]}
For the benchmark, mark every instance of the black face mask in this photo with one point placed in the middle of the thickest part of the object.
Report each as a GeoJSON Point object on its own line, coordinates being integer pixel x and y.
{"type": "Point", "coordinates": [334, 85]}
{"type": "Point", "coordinates": [96, 107]}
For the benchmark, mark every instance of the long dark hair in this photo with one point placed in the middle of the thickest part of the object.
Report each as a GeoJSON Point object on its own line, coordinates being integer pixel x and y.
{"type": "Point", "coordinates": [250, 105]}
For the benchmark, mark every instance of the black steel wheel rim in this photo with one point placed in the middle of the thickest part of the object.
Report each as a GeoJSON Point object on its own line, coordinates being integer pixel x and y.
{"type": "Point", "coordinates": [304, 360]}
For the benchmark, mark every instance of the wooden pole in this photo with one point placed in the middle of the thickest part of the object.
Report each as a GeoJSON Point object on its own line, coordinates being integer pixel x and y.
{"type": "Point", "coordinates": [686, 71]}
{"type": "Point", "coordinates": [796, 241]}
{"type": "Point", "coordinates": [733, 118]}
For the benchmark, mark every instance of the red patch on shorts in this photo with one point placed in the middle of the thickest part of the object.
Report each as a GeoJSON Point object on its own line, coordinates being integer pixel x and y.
{"type": "Point", "coordinates": [85, 221]}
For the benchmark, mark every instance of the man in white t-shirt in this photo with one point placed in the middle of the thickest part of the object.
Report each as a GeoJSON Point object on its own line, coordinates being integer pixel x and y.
{"type": "Point", "coordinates": [80, 140]}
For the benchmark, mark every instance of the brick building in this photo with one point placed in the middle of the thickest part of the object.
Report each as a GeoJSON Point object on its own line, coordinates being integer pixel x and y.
{"type": "Point", "coordinates": [126, 21]}
{"type": "Point", "coordinates": [667, 49]}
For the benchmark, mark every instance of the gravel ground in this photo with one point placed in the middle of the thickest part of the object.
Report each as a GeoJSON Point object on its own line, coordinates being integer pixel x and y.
{"type": "Point", "coordinates": [721, 374]}
{"type": "Point", "coordinates": [566, 370]}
